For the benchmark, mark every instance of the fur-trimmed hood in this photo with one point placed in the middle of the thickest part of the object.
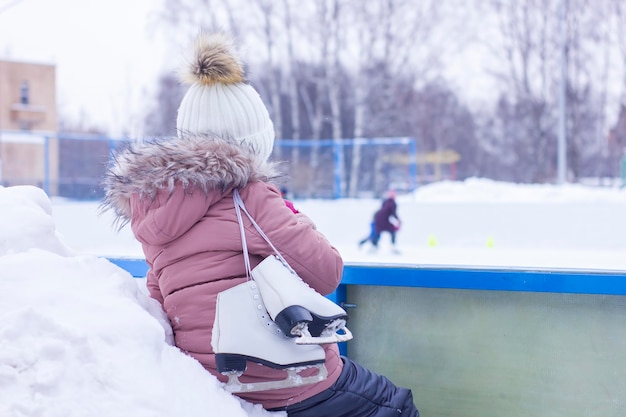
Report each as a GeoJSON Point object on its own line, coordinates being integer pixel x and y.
{"type": "Point", "coordinates": [208, 162]}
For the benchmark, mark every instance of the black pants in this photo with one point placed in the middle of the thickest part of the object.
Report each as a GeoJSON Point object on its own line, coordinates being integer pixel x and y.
{"type": "Point", "coordinates": [358, 392]}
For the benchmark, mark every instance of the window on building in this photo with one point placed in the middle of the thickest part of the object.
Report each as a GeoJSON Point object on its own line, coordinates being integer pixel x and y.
{"type": "Point", "coordinates": [24, 92]}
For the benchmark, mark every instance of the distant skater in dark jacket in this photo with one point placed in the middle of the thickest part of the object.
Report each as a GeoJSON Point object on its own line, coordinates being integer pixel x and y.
{"type": "Point", "coordinates": [383, 221]}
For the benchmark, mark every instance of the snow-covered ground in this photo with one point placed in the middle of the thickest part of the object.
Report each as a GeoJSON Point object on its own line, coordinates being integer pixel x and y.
{"type": "Point", "coordinates": [79, 337]}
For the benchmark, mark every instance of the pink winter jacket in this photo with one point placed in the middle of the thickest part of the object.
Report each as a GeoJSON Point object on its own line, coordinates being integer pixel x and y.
{"type": "Point", "coordinates": [177, 195]}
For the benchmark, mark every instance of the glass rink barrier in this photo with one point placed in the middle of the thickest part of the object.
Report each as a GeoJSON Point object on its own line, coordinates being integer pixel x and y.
{"type": "Point", "coordinates": [488, 342]}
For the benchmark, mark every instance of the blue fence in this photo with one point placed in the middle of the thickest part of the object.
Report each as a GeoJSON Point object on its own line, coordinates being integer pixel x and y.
{"type": "Point", "coordinates": [73, 164]}
{"type": "Point", "coordinates": [488, 341]}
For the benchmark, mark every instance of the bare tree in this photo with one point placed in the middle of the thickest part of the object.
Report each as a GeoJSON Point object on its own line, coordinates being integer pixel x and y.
{"type": "Point", "coordinates": [316, 106]}
{"type": "Point", "coordinates": [530, 47]}
{"type": "Point", "coordinates": [292, 87]}
{"type": "Point", "coordinates": [268, 11]}
{"type": "Point", "coordinates": [161, 121]}
{"type": "Point", "coordinates": [620, 27]}
{"type": "Point", "coordinates": [364, 38]}
{"type": "Point", "coordinates": [334, 85]}
{"type": "Point", "coordinates": [357, 69]}
{"type": "Point", "coordinates": [529, 42]}
{"type": "Point", "coordinates": [392, 42]}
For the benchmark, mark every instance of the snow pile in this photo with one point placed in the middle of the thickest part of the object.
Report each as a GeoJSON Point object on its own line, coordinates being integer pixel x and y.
{"type": "Point", "coordinates": [490, 191]}
{"type": "Point", "coordinates": [79, 337]}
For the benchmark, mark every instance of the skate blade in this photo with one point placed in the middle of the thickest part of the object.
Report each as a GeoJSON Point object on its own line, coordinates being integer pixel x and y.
{"type": "Point", "coordinates": [307, 339]}
{"type": "Point", "coordinates": [293, 379]}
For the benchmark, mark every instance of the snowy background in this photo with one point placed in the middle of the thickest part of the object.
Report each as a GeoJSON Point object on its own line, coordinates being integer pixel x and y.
{"type": "Point", "coordinates": [474, 222]}
{"type": "Point", "coordinates": [80, 337]}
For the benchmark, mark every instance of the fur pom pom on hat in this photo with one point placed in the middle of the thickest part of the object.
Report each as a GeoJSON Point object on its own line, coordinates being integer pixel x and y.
{"type": "Point", "coordinates": [219, 100]}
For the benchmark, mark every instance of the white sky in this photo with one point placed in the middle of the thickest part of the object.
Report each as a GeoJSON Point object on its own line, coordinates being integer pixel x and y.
{"type": "Point", "coordinates": [80, 337]}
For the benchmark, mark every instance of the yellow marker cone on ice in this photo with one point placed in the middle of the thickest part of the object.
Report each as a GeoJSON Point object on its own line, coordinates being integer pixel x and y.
{"type": "Point", "coordinates": [490, 242]}
{"type": "Point", "coordinates": [432, 242]}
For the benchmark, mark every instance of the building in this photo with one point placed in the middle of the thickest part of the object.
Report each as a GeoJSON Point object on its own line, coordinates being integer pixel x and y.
{"type": "Point", "coordinates": [29, 151]}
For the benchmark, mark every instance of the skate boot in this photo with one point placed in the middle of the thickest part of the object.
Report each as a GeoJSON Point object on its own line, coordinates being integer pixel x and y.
{"type": "Point", "coordinates": [299, 310]}
{"type": "Point", "coordinates": [243, 331]}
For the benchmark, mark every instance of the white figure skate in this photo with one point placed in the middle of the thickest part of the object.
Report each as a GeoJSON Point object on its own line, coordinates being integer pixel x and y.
{"type": "Point", "coordinates": [243, 331]}
{"type": "Point", "coordinates": [298, 309]}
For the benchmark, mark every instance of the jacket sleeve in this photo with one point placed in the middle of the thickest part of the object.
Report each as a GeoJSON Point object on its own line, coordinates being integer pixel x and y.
{"type": "Point", "coordinates": [307, 250]}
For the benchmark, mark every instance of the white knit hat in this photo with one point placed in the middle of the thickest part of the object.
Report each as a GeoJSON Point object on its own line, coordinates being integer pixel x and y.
{"type": "Point", "coordinates": [220, 101]}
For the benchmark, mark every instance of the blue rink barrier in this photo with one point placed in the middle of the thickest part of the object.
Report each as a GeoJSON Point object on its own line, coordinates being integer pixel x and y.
{"type": "Point", "coordinates": [557, 280]}
{"type": "Point", "coordinates": [490, 342]}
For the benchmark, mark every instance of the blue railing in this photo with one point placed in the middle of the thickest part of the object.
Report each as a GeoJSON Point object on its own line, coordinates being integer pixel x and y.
{"type": "Point", "coordinates": [574, 281]}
